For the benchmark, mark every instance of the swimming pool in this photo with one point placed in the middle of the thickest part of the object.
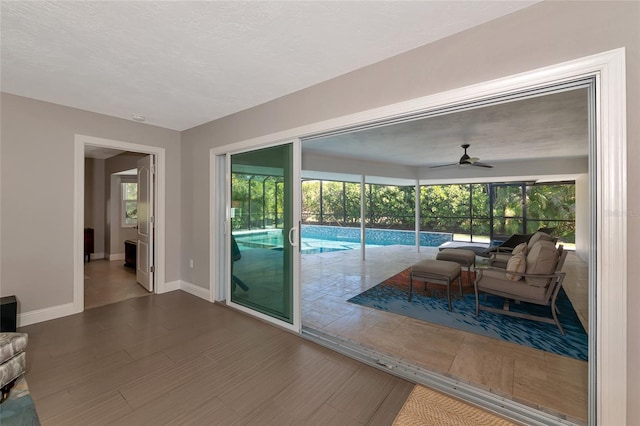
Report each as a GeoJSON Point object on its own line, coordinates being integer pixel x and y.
{"type": "Point", "coordinates": [273, 239]}
{"type": "Point", "coordinates": [321, 239]}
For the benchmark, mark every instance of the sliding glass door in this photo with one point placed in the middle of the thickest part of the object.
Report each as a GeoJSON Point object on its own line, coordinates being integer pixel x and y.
{"type": "Point", "coordinates": [264, 233]}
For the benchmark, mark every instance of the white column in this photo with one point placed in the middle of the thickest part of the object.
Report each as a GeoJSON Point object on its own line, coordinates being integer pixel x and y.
{"type": "Point", "coordinates": [418, 215]}
{"type": "Point", "coordinates": [363, 212]}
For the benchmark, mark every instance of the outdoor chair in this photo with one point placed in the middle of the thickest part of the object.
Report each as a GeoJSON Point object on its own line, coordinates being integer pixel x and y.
{"type": "Point", "coordinates": [499, 256]}
{"type": "Point", "coordinates": [535, 279]}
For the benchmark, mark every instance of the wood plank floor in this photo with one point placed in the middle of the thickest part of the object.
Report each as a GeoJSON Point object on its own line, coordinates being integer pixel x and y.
{"type": "Point", "coordinates": [551, 382]}
{"type": "Point", "coordinates": [108, 282]}
{"type": "Point", "coordinates": [177, 359]}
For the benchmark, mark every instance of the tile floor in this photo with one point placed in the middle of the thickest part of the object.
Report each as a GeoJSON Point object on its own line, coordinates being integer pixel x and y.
{"type": "Point", "coordinates": [540, 379]}
{"type": "Point", "coordinates": [108, 282]}
{"type": "Point", "coordinates": [175, 359]}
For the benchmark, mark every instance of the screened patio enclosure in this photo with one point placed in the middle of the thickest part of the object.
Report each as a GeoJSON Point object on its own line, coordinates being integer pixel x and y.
{"type": "Point", "coordinates": [472, 212]}
{"type": "Point", "coordinates": [475, 212]}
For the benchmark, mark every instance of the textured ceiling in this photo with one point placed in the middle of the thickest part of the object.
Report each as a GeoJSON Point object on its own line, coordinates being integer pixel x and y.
{"type": "Point", "coordinates": [550, 126]}
{"type": "Point", "coordinates": [181, 64]}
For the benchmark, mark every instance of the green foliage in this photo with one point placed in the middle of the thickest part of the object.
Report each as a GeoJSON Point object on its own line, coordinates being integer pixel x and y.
{"type": "Point", "coordinates": [340, 203]}
{"type": "Point", "coordinates": [458, 208]}
{"type": "Point", "coordinates": [130, 190]}
{"type": "Point", "coordinates": [546, 204]}
{"type": "Point", "coordinates": [258, 201]}
{"type": "Point", "coordinates": [507, 210]}
{"type": "Point", "coordinates": [390, 207]}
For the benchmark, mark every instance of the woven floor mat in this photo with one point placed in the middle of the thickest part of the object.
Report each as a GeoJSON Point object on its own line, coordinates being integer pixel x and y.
{"type": "Point", "coordinates": [428, 407]}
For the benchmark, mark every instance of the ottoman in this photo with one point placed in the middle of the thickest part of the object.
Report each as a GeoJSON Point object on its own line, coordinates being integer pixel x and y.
{"type": "Point", "coordinates": [441, 272]}
{"type": "Point", "coordinates": [461, 256]}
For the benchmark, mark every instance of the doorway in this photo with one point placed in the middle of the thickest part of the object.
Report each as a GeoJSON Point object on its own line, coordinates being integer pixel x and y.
{"type": "Point", "coordinates": [114, 232]}
{"type": "Point", "coordinates": [112, 211]}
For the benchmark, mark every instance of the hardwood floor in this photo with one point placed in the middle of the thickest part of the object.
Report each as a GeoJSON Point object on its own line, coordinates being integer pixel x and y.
{"type": "Point", "coordinates": [108, 282]}
{"type": "Point", "coordinates": [177, 359]}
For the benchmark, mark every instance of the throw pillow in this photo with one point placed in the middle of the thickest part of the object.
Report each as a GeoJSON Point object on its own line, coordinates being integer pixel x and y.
{"type": "Point", "coordinates": [539, 236]}
{"type": "Point", "coordinates": [517, 263]}
{"type": "Point", "coordinates": [520, 248]}
{"type": "Point", "coordinates": [542, 259]}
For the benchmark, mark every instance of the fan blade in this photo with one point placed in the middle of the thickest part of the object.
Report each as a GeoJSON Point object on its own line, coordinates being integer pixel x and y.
{"type": "Point", "coordinates": [488, 166]}
{"type": "Point", "coordinates": [443, 165]}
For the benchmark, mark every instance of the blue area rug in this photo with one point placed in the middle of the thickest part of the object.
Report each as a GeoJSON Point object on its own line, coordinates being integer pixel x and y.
{"type": "Point", "coordinates": [431, 305]}
{"type": "Point", "coordinates": [18, 409]}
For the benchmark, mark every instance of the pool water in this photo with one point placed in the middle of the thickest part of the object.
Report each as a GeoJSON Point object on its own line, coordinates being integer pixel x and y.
{"type": "Point", "coordinates": [313, 245]}
{"type": "Point", "coordinates": [322, 239]}
{"type": "Point", "coordinates": [274, 241]}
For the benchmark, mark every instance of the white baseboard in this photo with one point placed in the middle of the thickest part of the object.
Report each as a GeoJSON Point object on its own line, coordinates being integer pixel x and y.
{"type": "Point", "coordinates": [117, 256]}
{"type": "Point", "coordinates": [169, 286]}
{"type": "Point", "coordinates": [46, 314]}
{"type": "Point", "coordinates": [196, 290]}
{"type": "Point", "coordinates": [97, 256]}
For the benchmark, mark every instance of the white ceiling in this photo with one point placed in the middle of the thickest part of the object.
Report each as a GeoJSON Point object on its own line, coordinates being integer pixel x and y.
{"type": "Point", "coordinates": [100, 153]}
{"type": "Point", "coordinates": [181, 64]}
{"type": "Point", "coordinates": [537, 128]}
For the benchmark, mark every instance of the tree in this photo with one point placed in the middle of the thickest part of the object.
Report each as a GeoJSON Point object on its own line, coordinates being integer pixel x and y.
{"type": "Point", "coordinates": [390, 206]}
{"type": "Point", "coordinates": [552, 205]}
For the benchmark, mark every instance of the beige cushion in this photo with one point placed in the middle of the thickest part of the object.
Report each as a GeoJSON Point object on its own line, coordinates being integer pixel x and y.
{"type": "Point", "coordinates": [461, 256]}
{"type": "Point", "coordinates": [542, 259]}
{"type": "Point", "coordinates": [520, 248]}
{"type": "Point", "coordinates": [495, 280]}
{"type": "Point", "coordinates": [443, 268]}
{"type": "Point", "coordinates": [517, 263]}
{"type": "Point", "coordinates": [500, 260]}
{"type": "Point", "coordinates": [539, 236]}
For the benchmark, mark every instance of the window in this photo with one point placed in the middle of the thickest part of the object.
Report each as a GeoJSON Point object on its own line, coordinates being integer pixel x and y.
{"type": "Point", "coordinates": [129, 205]}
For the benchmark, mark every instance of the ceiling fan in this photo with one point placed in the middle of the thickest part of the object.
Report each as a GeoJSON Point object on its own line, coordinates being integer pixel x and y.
{"type": "Point", "coordinates": [465, 160]}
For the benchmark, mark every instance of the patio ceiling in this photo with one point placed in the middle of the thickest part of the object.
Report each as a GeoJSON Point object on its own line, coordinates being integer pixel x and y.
{"type": "Point", "coordinates": [548, 129]}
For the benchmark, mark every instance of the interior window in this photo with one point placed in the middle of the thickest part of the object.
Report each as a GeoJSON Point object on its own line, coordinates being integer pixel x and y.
{"type": "Point", "coordinates": [129, 204]}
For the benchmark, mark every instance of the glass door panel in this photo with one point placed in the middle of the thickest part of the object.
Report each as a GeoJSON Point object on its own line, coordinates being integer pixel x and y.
{"type": "Point", "coordinates": [261, 223]}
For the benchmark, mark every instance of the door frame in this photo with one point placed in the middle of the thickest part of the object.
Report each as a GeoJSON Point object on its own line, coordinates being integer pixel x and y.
{"type": "Point", "coordinates": [608, 313]}
{"type": "Point", "coordinates": [80, 141]}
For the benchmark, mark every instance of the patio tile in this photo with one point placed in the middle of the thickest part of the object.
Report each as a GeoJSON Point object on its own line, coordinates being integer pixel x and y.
{"type": "Point", "coordinates": [513, 371]}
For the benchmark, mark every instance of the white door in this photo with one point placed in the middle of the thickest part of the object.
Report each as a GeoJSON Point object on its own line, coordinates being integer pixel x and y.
{"type": "Point", "coordinates": [144, 255]}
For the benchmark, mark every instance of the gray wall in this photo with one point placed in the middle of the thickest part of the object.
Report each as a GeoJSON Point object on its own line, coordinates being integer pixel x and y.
{"type": "Point", "coordinates": [116, 235]}
{"type": "Point", "coordinates": [541, 35]}
{"type": "Point", "coordinates": [94, 203]}
{"type": "Point", "coordinates": [37, 185]}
